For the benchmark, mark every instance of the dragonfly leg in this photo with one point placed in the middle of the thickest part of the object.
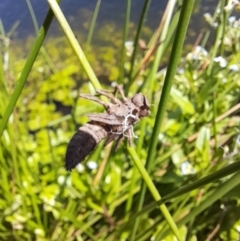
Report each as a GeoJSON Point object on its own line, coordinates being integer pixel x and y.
{"type": "Point", "coordinates": [118, 142]}
{"type": "Point", "coordinates": [119, 88]}
{"type": "Point", "coordinates": [130, 132]}
{"type": "Point", "coordinates": [95, 99]}
{"type": "Point", "coordinates": [130, 143]}
{"type": "Point", "coordinates": [117, 133]}
{"type": "Point", "coordinates": [109, 96]}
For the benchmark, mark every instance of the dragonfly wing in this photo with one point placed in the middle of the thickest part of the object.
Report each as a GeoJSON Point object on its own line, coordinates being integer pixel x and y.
{"type": "Point", "coordinates": [106, 118]}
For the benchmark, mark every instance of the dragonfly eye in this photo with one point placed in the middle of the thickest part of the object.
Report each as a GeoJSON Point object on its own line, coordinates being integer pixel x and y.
{"type": "Point", "coordinates": [135, 111]}
{"type": "Point", "coordinates": [138, 100]}
{"type": "Point", "coordinates": [146, 104]}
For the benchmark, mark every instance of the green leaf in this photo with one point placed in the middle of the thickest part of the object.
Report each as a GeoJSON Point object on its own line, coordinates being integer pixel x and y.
{"type": "Point", "coordinates": [182, 101]}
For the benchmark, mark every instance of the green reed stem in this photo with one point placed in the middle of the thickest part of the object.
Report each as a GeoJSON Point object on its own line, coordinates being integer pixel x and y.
{"type": "Point", "coordinates": [74, 43]}
{"type": "Point", "coordinates": [181, 30]}
{"type": "Point", "coordinates": [36, 27]}
{"type": "Point", "coordinates": [172, 67]}
{"type": "Point", "coordinates": [216, 194]}
{"type": "Point", "coordinates": [124, 39]}
{"type": "Point", "coordinates": [154, 191]}
{"type": "Point", "coordinates": [139, 29]}
{"type": "Point", "coordinates": [168, 13]}
{"type": "Point", "coordinates": [93, 22]}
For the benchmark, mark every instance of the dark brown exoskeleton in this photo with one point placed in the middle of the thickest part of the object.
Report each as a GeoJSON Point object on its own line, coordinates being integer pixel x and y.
{"type": "Point", "coordinates": [115, 124]}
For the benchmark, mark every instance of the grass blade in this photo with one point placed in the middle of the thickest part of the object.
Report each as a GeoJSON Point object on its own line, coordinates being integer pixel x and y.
{"type": "Point", "coordinates": [174, 59]}
{"type": "Point", "coordinates": [154, 191]}
{"type": "Point", "coordinates": [74, 44]}
{"type": "Point", "coordinates": [93, 22]}
{"type": "Point", "coordinates": [124, 39]}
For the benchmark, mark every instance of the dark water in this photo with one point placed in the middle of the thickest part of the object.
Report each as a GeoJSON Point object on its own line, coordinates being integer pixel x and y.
{"type": "Point", "coordinates": [79, 12]}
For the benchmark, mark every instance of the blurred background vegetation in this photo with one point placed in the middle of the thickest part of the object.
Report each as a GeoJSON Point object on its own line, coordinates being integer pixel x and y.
{"type": "Point", "coordinates": [194, 98]}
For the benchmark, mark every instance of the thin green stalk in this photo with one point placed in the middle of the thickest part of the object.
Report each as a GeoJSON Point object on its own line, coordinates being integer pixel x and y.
{"type": "Point", "coordinates": [174, 59]}
{"type": "Point", "coordinates": [160, 50]}
{"type": "Point", "coordinates": [124, 39]}
{"type": "Point", "coordinates": [135, 176]}
{"type": "Point", "coordinates": [51, 151]}
{"type": "Point", "coordinates": [93, 22]}
{"type": "Point", "coordinates": [14, 137]}
{"type": "Point", "coordinates": [214, 124]}
{"type": "Point", "coordinates": [139, 207]}
{"type": "Point", "coordinates": [217, 175]}
{"type": "Point", "coordinates": [141, 197]}
{"type": "Point", "coordinates": [208, 32]}
{"type": "Point", "coordinates": [2, 30]}
{"type": "Point", "coordinates": [131, 190]}
{"type": "Point", "coordinates": [35, 206]}
{"type": "Point", "coordinates": [26, 69]}
{"type": "Point", "coordinates": [172, 67]}
{"type": "Point", "coordinates": [3, 83]}
{"type": "Point", "coordinates": [4, 50]}
{"type": "Point", "coordinates": [224, 19]}
{"type": "Point", "coordinates": [4, 177]}
{"type": "Point", "coordinates": [216, 45]}
{"type": "Point", "coordinates": [154, 191]}
{"type": "Point", "coordinates": [36, 27]}
{"type": "Point", "coordinates": [12, 30]}
{"type": "Point", "coordinates": [33, 16]}
{"type": "Point", "coordinates": [74, 43]}
{"type": "Point", "coordinates": [216, 194]}
{"type": "Point", "coordinates": [213, 54]}
{"type": "Point", "coordinates": [168, 12]}
{"type": "Point", "coordinates": [139, 29]}
{"type": "Point", "coordinates": [164, 40]}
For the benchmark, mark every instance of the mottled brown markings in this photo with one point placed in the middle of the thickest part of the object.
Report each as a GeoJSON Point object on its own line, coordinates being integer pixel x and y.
{"type": "Point", "coordinates": [115, 124]}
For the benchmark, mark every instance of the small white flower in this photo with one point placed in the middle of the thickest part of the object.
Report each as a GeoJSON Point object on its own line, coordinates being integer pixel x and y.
{"type": "Point", "coordinates": [231, 19]}
{"type": "Point", "coordinates": [208, 18]}
{"type": "Point", "coordinates": [238, 140]}
{"type": "Point", "coordinates": [231, 5]}
{"type": "Point", "coordinates": [181, 71]}
{"type": "Point", "coordinates": [80, 168]}
{"type": "Point", "coordinates": [234, 67]}
{"type": "Point", "coordinates": [25, 184]}
{"type": "Point", "coordinates": [108, 179]}
{"type": "Point", "coordinates": [236, 24]}
{"type": "Point", "coordinates": [40, 69]}
{"type": "Point", "coordinates": [201, 50]}
{"type": "Point", "coordinates": [222, 62]}
{"type": "Point", "coordinates": [198, 53]}
{"type": "Point", "coordinates": [61, 179]}
{"type": "Point", "coordinates": [92, 165]}
{"type": "Point", "coordinates": [238, 228]}
{"type": "Point", "coordinates": [129, 45]}
{"type": "Point", "coordinates": [187, 168]}
{"type": "Point", "coordinates": [6, 137]}
{"type": "Point", "coordinates": [39, 232]}
{"type": "Point", "coordinates": [224, 80]}
{"type": "Point", "coordinates": [114, 84]}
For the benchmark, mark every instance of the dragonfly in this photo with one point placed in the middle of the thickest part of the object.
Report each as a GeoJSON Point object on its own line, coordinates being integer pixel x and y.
{"type": "Point", "coordinates": [115, 124]}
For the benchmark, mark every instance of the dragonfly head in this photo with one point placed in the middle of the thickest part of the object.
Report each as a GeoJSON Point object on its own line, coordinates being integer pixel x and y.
{"type": "Point", "coordinates": [141, 102]}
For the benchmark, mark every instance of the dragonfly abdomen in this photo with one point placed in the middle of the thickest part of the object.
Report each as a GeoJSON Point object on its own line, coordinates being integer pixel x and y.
{"type": "Point", "coordinates": [83, 143]}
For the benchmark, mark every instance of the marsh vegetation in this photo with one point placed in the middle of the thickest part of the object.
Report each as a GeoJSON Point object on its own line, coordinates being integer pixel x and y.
{"type": "Point", "coordinates": [181, 178]}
